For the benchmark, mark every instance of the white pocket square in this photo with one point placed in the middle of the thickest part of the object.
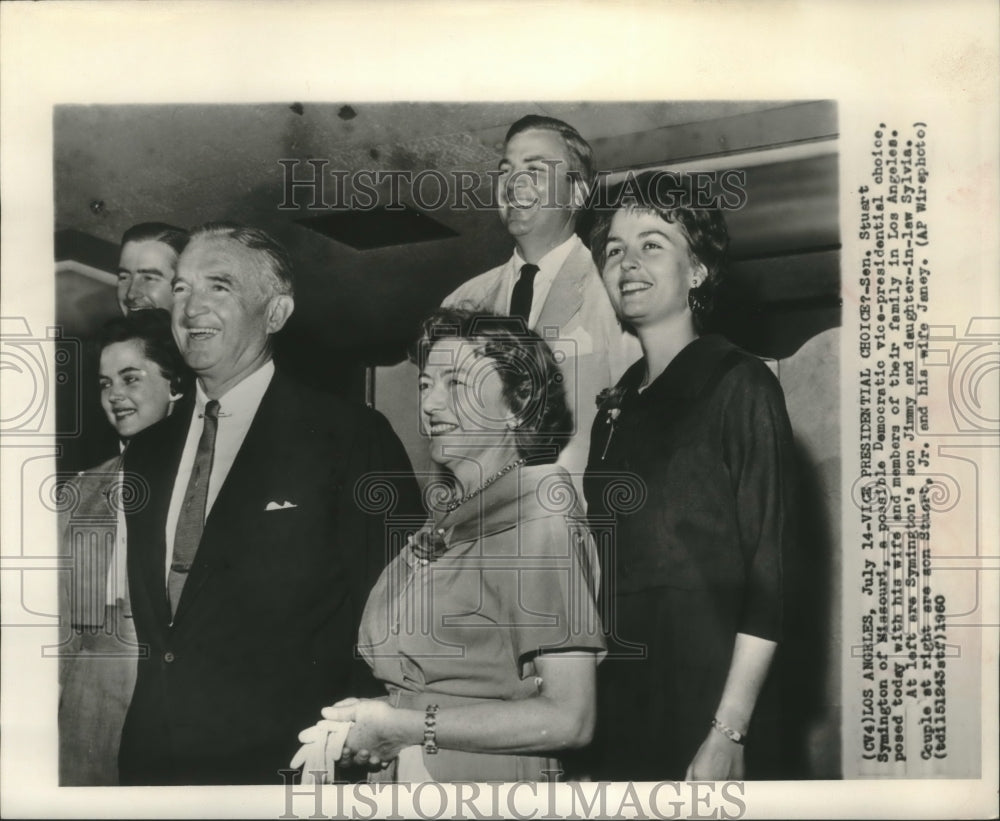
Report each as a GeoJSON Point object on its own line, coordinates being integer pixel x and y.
{"type": "Point", "coordinates": [283, 506]}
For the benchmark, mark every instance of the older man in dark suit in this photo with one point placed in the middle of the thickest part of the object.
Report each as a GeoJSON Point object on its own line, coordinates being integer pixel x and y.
{"type": "Point", "coordinates": [250, 563]}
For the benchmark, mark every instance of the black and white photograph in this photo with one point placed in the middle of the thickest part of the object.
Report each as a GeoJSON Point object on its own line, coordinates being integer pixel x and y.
{"type": "Point", "coordinates": [609, 443]}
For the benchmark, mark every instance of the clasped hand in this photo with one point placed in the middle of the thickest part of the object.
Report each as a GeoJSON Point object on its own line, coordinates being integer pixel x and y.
{"type": "Point", "coordinates": [352, 733]}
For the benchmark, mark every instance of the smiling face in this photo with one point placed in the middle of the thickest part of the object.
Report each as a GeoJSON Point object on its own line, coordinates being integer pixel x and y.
{"type": "Point", "coordinates": [145, 271]}
{"type": "Point", "coordinates": [649, 269]}
{"type": "Point", "coordinates": [134, 392]}
{"type": "Point", "coordinates": [463, 410]}
{"type": "Point", "coordinates": [225, 310]}
{"type": "Point", "coordinates": [536, 195]}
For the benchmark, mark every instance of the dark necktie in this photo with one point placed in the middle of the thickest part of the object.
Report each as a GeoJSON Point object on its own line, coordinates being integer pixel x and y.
{"type": "Point", "coordinates": [191, 520]}
{"type": "Point", "coordinates": [520, 300]}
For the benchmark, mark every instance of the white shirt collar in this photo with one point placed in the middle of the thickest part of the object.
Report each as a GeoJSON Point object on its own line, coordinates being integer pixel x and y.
{"type": "Point", "coordinates": [548, 268]}
{"type": "Point", "coordinates": [549, 265]}
{"type": "Point", "coordinates": [243, 398]}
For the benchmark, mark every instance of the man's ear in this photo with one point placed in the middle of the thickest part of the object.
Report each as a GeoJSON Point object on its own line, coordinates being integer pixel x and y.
{"type": "Point", "coordinates": [174, 396]}
{"type": "Point", "coordinates": [579, 193]}
{"type": "Point", "coordinates": [279, 308]}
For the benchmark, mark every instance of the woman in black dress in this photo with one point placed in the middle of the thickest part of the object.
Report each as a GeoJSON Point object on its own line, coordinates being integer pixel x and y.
{"type": "Point", "coordinates": [688, 487]}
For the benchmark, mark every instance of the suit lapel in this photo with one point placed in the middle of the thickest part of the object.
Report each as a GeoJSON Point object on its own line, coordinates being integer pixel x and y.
{"type": "Point", "coordinates": [565, 297]}
{"type": "Point", "coordinates": [495, 298]}
{"type": "Point", "coordinates": [154, 465]}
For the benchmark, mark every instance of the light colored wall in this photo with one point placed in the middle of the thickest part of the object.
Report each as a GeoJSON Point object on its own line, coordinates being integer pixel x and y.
{"type": "Point", "coordinates": [811, 382]}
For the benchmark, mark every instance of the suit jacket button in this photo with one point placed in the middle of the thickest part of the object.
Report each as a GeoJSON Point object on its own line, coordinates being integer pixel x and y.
{"type": "Point", "coordinates": [168, 657]}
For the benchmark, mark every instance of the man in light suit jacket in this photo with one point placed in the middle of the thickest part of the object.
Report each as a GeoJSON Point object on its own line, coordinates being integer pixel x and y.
{"type": "Point", "coordinates": [253, 557]}
{"type": "Point", "coordinates": [546, 173]}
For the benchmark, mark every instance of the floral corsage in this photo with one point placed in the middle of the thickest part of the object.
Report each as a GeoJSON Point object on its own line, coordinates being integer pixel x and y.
{"type": "Point", "coordinates": [609, 402]}
{"type": "Point", "coordinates": [428, 544]}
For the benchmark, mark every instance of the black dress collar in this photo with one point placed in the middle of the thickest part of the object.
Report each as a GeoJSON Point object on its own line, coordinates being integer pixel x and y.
{"type": "Point", "coordinates": [688, 372]}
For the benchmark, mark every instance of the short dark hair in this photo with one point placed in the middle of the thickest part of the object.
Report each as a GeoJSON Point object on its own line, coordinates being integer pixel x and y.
{"type": "Point", "coordinates": [150, 327]}
{"type": "Point", "coordinates": [580, 153]}
{"type": "Point", "coordinates": [278, 260]}
{"type": "Point", "coordinates": [170, 235]}
{"type": "Point", "coordinates": [704, 228]}
{"type": "Point", "coordinates": [532, 383]}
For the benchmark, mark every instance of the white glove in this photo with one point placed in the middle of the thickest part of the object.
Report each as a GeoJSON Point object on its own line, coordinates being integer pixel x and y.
{"type": "Point", "coordinates": [322, 746]}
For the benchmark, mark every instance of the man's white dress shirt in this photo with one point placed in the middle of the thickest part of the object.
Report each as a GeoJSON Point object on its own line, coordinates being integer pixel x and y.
{"type": "Point", "coordinates": [237, 408]}
{"type": "Point", "coordinates": [548, 267]}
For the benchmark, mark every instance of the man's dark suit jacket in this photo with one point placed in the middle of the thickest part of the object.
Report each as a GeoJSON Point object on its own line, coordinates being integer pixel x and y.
{"type": "Point", "coordinates": [265, 630]}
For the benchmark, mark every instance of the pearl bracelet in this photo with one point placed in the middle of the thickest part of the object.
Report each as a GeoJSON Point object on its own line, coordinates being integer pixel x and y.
{"type": "Point", "coordinates": [729, 732]}
{"type": "Point", "coordinates": [430, 732]}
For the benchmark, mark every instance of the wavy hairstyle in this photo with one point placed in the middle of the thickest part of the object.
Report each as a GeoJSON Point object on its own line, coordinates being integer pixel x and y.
{"type": "Point", "coordinates": [532, 382]}
{"type": "Point", "coordinates": [151, 328]}
{"type": "Point", "coordinates": [581, 155]}
{"type": "Point", "coordinates": [163, 232]}
{"type": "Point", "coordinates": [279, 262]}
{"type": "Point", "coordinates": [705, 229]}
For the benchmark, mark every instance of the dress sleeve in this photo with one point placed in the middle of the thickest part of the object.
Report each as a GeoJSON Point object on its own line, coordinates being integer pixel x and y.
{"type": "Point", "coordinates": [552, 604]}
{"type": "Point", "coordinates": [759, 452]}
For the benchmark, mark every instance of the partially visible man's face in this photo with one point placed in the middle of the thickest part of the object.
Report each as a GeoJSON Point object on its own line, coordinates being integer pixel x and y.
{"type": "Point", "coordinates": [223, 309]}
{"type": "Point", "coordinates": [145, 270]}
{"type": "Point", "coordinates": [535, 191]}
